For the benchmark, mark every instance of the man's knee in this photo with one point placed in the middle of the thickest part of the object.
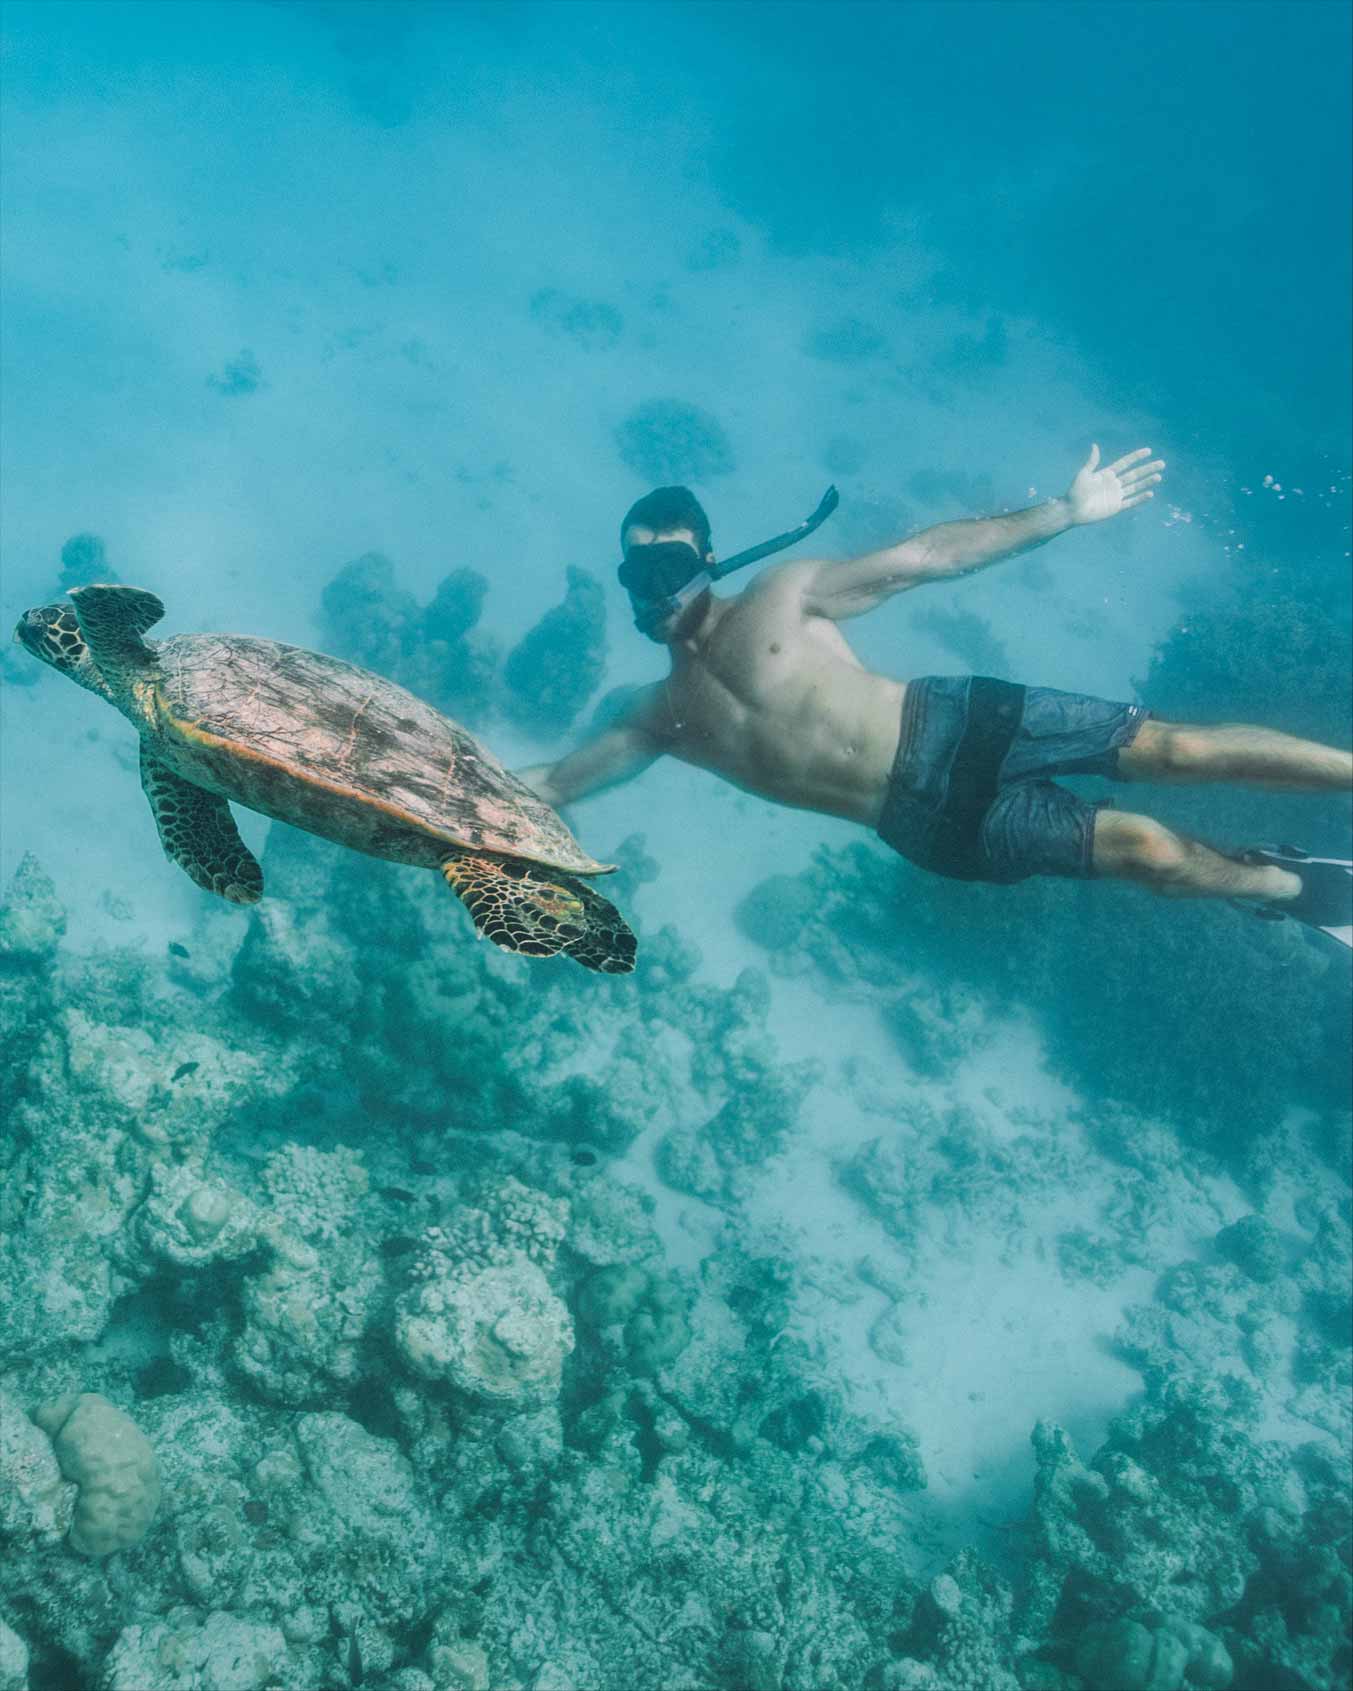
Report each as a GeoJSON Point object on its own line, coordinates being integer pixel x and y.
{"type": "Point", "coordinates": [1138, 849]}
{"type": "Point", "coordinates": [1172, 750]}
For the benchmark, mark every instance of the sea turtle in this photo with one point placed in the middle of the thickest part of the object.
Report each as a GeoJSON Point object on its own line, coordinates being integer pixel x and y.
{"type": "Point", "coordinates": [326, 746]}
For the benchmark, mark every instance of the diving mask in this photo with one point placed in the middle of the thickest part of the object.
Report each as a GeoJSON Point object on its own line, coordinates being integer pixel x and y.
{"type": "Point", "coordinates": [665, 576]}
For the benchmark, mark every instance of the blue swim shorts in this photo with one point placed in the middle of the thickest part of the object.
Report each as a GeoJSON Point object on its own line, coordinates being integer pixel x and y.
{"type": "Point", "coordinates": [971, 793]}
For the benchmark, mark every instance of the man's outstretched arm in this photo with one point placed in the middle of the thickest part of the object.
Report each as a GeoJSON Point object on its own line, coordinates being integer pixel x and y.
{"type": "Point", "coordinates": [950, 549]}
{"type": "Point", "coordinates": [616, 754]}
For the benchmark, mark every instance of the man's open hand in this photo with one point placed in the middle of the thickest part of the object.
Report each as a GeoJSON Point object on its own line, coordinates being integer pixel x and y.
{"type": "Point", "coordinates": [1096, 494]}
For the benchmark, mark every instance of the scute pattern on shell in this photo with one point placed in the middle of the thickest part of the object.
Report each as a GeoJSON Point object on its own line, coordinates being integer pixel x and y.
{"type": "Point", "coordinates": [301, 731]}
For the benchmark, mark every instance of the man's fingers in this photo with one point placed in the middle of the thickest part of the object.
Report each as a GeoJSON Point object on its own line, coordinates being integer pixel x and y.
{"type": "Point", "coordinates": [1130, 458]}
{"type": "Point", "coordinates": [1147, 476]}
{"type": "Point", "coordinates": [1136, 499]}
{"type": "Point", "coordinates": [1093, 459]}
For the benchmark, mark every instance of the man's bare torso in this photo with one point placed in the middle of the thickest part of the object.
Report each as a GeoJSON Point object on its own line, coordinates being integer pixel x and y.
{"type": "Point", "coordinates": [774, 700]}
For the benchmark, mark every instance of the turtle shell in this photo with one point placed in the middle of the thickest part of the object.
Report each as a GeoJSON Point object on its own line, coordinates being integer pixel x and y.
{"type": "Point", "coordinates": [326, 746]}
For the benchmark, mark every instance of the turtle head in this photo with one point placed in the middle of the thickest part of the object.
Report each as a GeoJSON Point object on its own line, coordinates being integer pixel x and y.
{"type": "Point", "coordinates": [52, 634]}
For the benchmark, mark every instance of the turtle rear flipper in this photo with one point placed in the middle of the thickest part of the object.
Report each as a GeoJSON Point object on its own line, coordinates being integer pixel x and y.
{"type": "Point", "coordinates": [198, 832]}
{"type": "Point", "coordinates": [540, 912]}
{"type": "Point", "coordinates": [112, 620]}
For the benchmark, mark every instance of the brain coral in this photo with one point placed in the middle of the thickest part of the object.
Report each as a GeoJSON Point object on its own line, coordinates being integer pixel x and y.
{"type": "Point", "coordinates": [110, 1459]}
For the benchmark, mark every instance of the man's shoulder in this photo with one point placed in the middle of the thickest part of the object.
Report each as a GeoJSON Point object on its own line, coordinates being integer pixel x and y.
{"type": "Point", "coordinates": [777, 592]}
{"type": "Point", "coordinates": [782, 581]}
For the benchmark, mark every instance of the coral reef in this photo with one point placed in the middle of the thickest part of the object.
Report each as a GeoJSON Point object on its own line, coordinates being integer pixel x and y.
{"type": "Point", "coordinates": [594, 324]}
{"type": "Point", "coordinates": [334, 1227]}
{"type": "Point", "coordinates": [1162, 1563]}
{"type": "Point", "coordinates": [343, 1302]}
{"type": "Point", "coordinates": [553, 670]}
{"type": "Point", "coordinates": [667, 440]}
{"type": "Point", "coordinates": [435, 650]}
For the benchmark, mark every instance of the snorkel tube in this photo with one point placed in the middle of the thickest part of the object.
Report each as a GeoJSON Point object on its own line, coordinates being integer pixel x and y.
{"type": "Point", "coordinates": [825, 506]}
{"type": "Point", "coordinates": [652, 567]}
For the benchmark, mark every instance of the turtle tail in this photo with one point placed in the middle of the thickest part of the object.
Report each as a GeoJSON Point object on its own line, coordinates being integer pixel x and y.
{"type": "Point", "coordinates": [540, 912]}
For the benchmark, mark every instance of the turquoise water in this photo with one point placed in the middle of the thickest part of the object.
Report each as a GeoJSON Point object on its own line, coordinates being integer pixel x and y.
{"type": "Point", "coordinates": [893, 1283]}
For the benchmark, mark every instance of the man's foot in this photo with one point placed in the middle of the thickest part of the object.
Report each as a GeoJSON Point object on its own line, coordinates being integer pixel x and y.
{"type": "Point", "coordinates": [1325, 898]}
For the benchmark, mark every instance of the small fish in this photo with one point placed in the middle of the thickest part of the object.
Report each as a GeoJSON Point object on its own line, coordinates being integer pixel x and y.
{"type": "Point", "coordinates": [356, 1672]}
{"type": "Point", "coordinates": [184, 1069]}
{"type": "Point", "coordinates": [399, 1246]}
{"type": "Point", "coordinates": [177, 950]}
{"type": "Point", "coordinates": [397, 1194]}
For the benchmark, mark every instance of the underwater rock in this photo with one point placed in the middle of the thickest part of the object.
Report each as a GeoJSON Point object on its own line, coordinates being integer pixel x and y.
{"type": "Point", "coordinates": [111, 1462]}
{"type": "Point", "coordinates": [454, 663]}
{"type": "Point", "coordinates": [611, 1222]}
{"type": "Point", "coordinates": [1125, 1656]}
{"type": "Point", "coordinates": [1207, 1663]}
{"type": "Point", "coordinates": [609, 1297]}
{"type": "Point", "coordinates": [220, 1653]}
{"type": "Point", "coordinates": [555, 668]}
{"type": "Point", "coordinates": [32, 918]}
{"type": "Point", "coordinates": [498, 1334]}
{"type": "Point", "coordinates": [1176, 1522]}
{"type": "Point", "coordinates": [367, 1481]}
{"type": "Point", "coordinates": [455, 607]}
{"type": "Point", "coordinates": [435, 650]}
{"type": "Point", "coordinates": [776, 910]}
{"type": "Point", "coordinates": [36, 1501]}
{"type": "Point", "coordinates": [647, 1311]}
{"type": "Point", "coordinates": [188, 1220]}
{"type": "Point", "coordinates": [1255, 1246]}
{"type": "Point", "coordinates": [956, 1631]}
{"type": "Point", "coordinates": [305, 1315]}
{"type": "Point", "coordinates": [291, 976]}
{"type": "Point", "coordinates": [667, 441]}
{"type": "Point", "coordinates": [13, 1660]}
{"type": "Point", "coordinates": [32, 923]}
{"type": "Point", "coordinates": [935, 1028]}
{"type": "Point", "coordinates": [365, 617]}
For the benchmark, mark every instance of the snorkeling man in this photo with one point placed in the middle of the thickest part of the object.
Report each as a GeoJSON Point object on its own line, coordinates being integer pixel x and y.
{"type": "Point", "coordinates": [954, 772]}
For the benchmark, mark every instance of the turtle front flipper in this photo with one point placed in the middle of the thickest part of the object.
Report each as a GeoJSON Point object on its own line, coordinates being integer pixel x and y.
{"type": "Point", "coordinates": [112, 620]}
{"type": "Point", "coordinates": [540, 912]}
{"type": "Point", "coordinates": [199, 833]}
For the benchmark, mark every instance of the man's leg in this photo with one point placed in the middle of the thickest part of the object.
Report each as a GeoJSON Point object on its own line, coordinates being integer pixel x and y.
{"type": "Point", "coordinates": [1255, 757]}
{"type": "Point", "coordinates": [1137, 848]}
